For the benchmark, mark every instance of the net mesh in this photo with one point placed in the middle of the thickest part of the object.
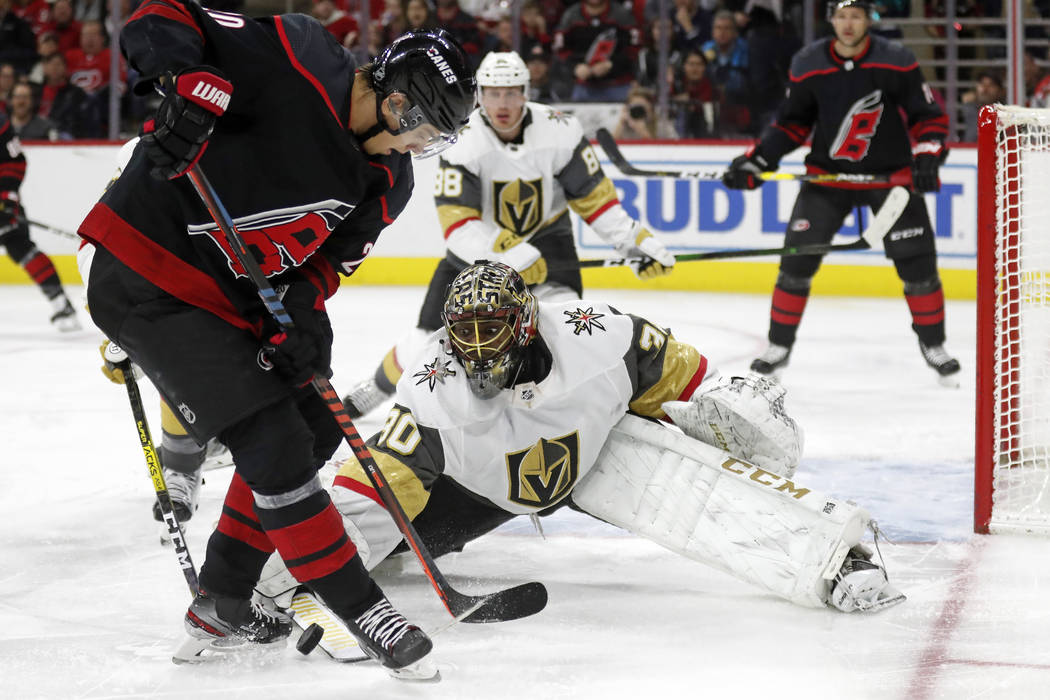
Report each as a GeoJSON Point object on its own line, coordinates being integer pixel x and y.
{"type": "Point", "coordinates": [1021, 478]}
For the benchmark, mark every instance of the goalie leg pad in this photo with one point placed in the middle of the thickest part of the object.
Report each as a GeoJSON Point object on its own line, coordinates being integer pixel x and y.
{"type": "Point", "coordinates": [708, 505]}
{"type": "Point", "coordinates": [744, 416]}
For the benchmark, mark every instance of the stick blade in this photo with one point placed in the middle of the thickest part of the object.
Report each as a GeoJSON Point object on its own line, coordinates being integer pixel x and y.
{"type": "Point", "coordinates": [891, 210]}
{"type": "Point", "coordinates": [512, 604]}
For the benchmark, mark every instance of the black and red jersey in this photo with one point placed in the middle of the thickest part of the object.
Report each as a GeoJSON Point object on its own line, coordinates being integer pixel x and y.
{"type": "Point", "coordinates": [861, 113]}
{"type": "Point", "coordinates": [12, 160]}
{"type": "Point", "coordinates": [305, 196]}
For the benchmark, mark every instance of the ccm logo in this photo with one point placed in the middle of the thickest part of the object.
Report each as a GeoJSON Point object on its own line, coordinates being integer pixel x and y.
{"type": "Point", "coordinates": [442, 65]}
{"type": "Point", "coordinates": [206, 92]}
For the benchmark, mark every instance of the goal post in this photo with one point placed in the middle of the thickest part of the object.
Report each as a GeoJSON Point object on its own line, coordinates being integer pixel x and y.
{"type": "Point", "coordinates": [1012, 447]}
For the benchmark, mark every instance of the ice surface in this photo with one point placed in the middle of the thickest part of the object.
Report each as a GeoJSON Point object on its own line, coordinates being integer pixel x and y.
{"type": "Point", "coordinates": [92, 604]}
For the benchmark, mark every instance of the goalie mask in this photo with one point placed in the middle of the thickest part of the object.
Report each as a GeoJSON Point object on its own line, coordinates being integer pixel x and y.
{"type": "Point", "coordinates": [431, 70]}
{"type": "Point", "coordinates": [490, 317]}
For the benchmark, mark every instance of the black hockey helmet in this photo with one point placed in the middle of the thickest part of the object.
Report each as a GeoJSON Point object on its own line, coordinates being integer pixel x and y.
{"type": "Point", "coordinates": [866, 5]}
{"type": "Point", "coordinates": [431, 69]}
{"type": "Point", "coordinates": [490, 317]}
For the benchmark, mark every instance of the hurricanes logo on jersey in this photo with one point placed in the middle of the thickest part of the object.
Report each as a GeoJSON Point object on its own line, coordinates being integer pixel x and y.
{"type": "Point", "coordinates": [519, 205]}
{"type": "Point", "coordinates": [545, 473]}
{"type": "Point", "coordinates": [280, 238]}
{"type": "Point", "coordinates": [857, 128]}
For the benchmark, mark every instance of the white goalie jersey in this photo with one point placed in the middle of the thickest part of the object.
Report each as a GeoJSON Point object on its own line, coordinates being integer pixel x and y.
{"type": "Point", "coordinates": [493, 195]}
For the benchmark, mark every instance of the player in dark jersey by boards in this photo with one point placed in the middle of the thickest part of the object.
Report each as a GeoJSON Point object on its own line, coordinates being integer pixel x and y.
{"type": "Point", "coordinates": [848, 93]}
{"type": "Point", "coordinates": [311, 156]}
{"type": "Point", "coordinates": [14, 231]}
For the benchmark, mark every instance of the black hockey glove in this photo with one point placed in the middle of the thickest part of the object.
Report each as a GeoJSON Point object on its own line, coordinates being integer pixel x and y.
{"type": "Point", "coordinates": [11, 216]}
{"type": "Point", "coordinates": [927, 159]}
{"type": "Point", "coordinates": [306, 349]}
{"type": "Point", "coordinates": [743, 171]}
{"type": "Point", "coordinates": [178, 134]}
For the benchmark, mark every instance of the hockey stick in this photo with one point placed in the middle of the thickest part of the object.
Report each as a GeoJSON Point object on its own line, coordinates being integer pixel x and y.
{"type": "Point", "coordinates": [608, 144]}
{"type": "Point", "coordinates": [157, 475]}
{"type": "Point", "coordinates": [52, 229]}
{"type": "Point", "coordinates": [510, 604]}
{"type": "Point", "coordinates": [880, 224]}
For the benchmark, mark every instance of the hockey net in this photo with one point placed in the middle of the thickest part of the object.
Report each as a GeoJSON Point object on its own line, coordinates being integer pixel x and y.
{"type": "Point", "coordinates": [1012, 456]}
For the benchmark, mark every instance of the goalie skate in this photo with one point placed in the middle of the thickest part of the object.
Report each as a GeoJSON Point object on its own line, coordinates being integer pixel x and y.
{"type": "Point", "coordinates": [219, 625]}
{"type": "Point", "coordinates": [862, 586]}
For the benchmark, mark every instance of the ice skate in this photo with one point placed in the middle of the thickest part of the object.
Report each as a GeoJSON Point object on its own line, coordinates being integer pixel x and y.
{"type": "Point", "coordinates": [184, 491]}
{"type": "Point", "coordinates": [364, 397]}
{"type": "Point", "coordinates": [386, 636]}
{"type": "Point", "coordinates": [862, 586]}
{"type": "Point", "coordinates": [223, 625]}
{"type": "Point", "coordinates": [947, 367]}
{"type": "Point", "coordinates": [772, 361]}
{"type": "Point", "coordinates": [64, 317]}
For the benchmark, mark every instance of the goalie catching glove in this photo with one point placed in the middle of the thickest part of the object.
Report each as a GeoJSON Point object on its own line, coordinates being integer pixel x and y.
{"type": "Point", "coordinates": [657, 260]}
{"type": "Point", "coordinates": [744, 416]}
{"type": "Point", "coordinates": [177, 136]}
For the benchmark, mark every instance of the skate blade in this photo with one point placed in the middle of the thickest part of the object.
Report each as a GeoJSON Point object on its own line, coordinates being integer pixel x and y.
{"type": "Point", "coordinates": [195, 651]}
{"type": "Point", "coordinates": [422, 671]}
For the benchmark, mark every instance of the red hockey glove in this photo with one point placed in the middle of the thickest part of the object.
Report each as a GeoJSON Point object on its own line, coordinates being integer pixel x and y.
{"type": "Point", "coordinates": [744, 170]}
{"type": "Point", "coordinates": [178, 134]}
{"type": "Point", "coordinates": [306, 349]}
{"type": "Point", "coordinates": [928, 156]}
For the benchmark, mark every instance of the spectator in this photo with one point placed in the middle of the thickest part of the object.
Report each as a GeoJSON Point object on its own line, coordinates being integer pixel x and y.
{"type": "Point", "coordinates": [419, 14]}
{"type": "Point", "coordinates": [463, 26]}
{"type": "Point", "coordinates": [17, 41]}
{"type": "Point", "coordinates": [89, 64]}
{"type": "Point", "coordinates": [27, 125]}
{"type": "Point", "coordinates": [1036, 82]}
{"type": "Point", "coordinates": [770, 46]}
{"type": "Point", "coordinates": [533, 28]}
{"type": "Point", "coordinates": [36, 12]}
{"type": "Point", "coordinates": [8, 78]}
{"type": "Point", "coordinates": [987, 90]}
{"type": "Point", "coordinates": [695, 100]}
{"type": "Point", "coordinates": [501, 39]}
{"type": "Point", "coordinates": [46, 44]}
{"type": "Point", "coordinates": [544, 86]}
{"type": "Point", "coordinates": [649, 56]}
{"type": "Point", "coordinates": [691, 25]}
{"type": "Point", "coordinates": [638, 118]}
{"type": "Point", "coordinates": [727, 68]}
{"type": "Point", "coordinates": [76, 115]}
{"type": "Point", "coordinates": [391, 25]}
{"type": "Point", "coordinates": [341, 25]}
{"type": "Point", "coordinates": [64, 25]}
{"type": "Point", "coordinates": [599, 41]}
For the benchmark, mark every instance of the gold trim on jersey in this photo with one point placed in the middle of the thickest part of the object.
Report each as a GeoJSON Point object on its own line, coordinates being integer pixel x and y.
{"type": "Point", "coordinates": [544, 474]}
{"type": "Point", "coordinates": [451, 214]}
{"type": "Point", "coordinates": [399, 476]}
{"type": "Point", "coordinates": [391, 370]}
{"type": "Point", "coordinates": [603, 193]}
{"type": "Point", "coordinates": [518, 205]}
{"type": "Point", "coordinates": [680, 364]}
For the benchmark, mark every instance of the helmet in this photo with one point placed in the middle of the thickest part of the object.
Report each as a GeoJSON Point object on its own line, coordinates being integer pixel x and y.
{"type": "Point", "coordinates": [490, 317]}
{"type": "Point", "coordinates": [866, 5]}
{"type": "Point", "coordinates": [432, 71]}
{"type": "Point", "coordinates": [503, 69]}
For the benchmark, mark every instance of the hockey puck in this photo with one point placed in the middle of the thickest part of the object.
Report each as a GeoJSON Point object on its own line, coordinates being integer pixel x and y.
{"type": "Point", "coordinates": [309, 639]}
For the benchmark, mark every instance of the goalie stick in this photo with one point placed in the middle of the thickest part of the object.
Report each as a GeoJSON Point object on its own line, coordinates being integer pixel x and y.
{"type": "Point", "coordinates": [509, 604]}
{"type": "Point", "coordinates": [880, 225]}
{"type": "Point", "coordinates": [608, 144]}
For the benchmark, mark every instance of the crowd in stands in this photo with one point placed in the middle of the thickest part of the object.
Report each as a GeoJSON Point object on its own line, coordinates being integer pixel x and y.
{"type": "Point", "coordinates": [726, 61]}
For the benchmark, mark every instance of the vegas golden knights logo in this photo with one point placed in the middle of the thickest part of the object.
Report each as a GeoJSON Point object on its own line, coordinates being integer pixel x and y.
{"type": "Point", "coordinates": [519, 205]}
{"type": "Point", "coordinates": [545, 473]}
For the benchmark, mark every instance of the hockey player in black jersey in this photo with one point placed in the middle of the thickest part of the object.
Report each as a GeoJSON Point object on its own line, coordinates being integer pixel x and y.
{"type": "Point", "coordinates": [847, 93]}
{"type": "Point", "coordinates": [14, 231]}
{"type": "Point", "coordinates": [311, 155]}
